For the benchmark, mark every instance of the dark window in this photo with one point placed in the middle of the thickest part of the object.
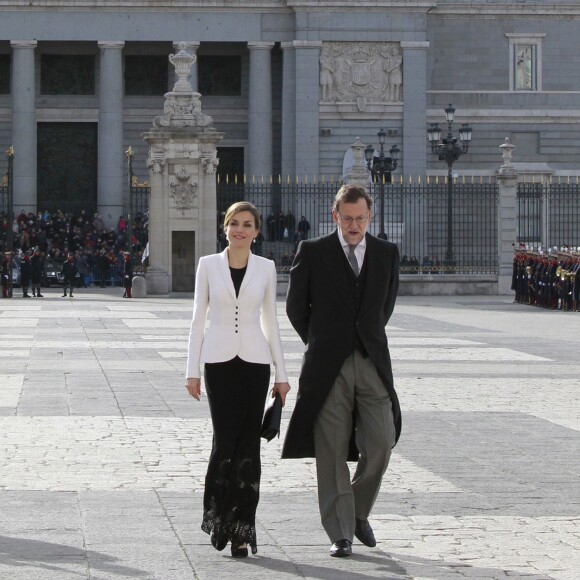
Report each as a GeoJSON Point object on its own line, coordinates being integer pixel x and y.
{"type": "Point", "coordinates": [4, 74]}
{"type": "Point", "coordinates": [146, 75]}
{"type": "Point", "coordinates": [231, 164]}
{"type": "Point", "coordinates": [219, 75]}
{"type": "Point", "coordinates": [67, 166]}
{"type": "Point", "coordinates": [71, 74]}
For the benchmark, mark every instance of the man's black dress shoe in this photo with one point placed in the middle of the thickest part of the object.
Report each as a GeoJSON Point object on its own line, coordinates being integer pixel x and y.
{"type": "Point", "coordinates": [341, 549]}
{"type": "Point", "coordinates": [364, 532]}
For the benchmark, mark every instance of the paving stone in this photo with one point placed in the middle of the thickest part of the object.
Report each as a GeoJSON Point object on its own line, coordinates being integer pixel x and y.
{"type": "Point", "coordinates": [103, 454]}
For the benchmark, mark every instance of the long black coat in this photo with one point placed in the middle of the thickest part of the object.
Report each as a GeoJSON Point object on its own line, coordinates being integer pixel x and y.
{"type": "Point", "coordinates": [127, 273]}
{"type": "Point", "coordinates": [25, 273]}
{"type": "Point", "coordinates": [321, 307]}
{"type": "Point", "coordinates": [69, 271]}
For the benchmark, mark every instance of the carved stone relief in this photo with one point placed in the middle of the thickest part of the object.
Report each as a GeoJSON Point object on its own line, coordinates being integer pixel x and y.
{"type": "Point", "coordinates": [361, 72]}
{"type": "Point", "coordinates": [183, 191]}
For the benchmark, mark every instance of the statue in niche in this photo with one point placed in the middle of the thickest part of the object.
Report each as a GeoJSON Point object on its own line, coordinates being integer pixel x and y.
{"type": "Point", "coordinates": [394, 77]}
{"type": "Point", "coordinates": [361, 72]}
{"type": "Point", "coordinates": [326, 74]}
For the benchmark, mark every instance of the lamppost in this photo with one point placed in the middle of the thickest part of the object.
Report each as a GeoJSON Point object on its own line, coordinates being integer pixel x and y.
{"type": "Point", "coordinates": [130, 154]}
{"type": "Point", "coordinates": [381, 169]}
{"type": "Point", "coordinates": [449, 151]}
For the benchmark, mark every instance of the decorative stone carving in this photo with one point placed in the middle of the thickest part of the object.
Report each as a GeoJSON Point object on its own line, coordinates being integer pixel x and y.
{"type": "Point", "coordinates": [361, 72]}
{"type": "Point", "coordinates": [156, 161]}
{"type": "Point", "coordinates": [182, 62]}
{"type": "Point", "coordinates": [506, 153]}
{"type": "Point", "coordinates": [183, 191]}
{"type": "Point", "coordinates": [210, 164]}
{"type": "Point", "coordinates": [182, 107]}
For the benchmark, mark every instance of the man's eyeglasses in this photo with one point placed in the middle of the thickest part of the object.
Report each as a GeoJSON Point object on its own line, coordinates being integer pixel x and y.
{"type": "Point", "coordinates": [348, 220]}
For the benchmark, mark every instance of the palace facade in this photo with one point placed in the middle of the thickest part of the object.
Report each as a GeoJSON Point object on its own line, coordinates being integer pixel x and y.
{"type": "Point", "coordinates": [291, 83]}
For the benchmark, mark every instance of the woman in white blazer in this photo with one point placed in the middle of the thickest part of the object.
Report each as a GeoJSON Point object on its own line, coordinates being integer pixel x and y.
{"type": "Point", "coordinates": [236, 290]}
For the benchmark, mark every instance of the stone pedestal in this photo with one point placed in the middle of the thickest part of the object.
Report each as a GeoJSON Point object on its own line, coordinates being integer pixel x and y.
{"type": "Point", "coordinates": [182, 164]}
{"type": "Point", "coordinates": [139, 289]}
{"type": "Point", "coordinates": [507, 227]}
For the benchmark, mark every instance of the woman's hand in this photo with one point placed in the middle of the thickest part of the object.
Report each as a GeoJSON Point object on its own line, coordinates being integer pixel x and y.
{"type": "Point", "coordinates": [194, 387]}
{"type": "Point", "coordinates": [282, 389]}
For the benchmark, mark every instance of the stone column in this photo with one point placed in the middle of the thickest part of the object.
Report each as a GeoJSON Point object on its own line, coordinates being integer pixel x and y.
{"type": "Point", "coordinates": [415, 139]}
{"type": "Point", "coordinates": [111, 151]}
{"type": "Point", "coordinates": [191, 48]}
{"type": "Point", "coordinates": [24, 136]}
{"type": "Point", "coordinates": [507, 216]}
{"type": "Point", "coordinates": [415, 107]}
{"type": "Point", "coordinates": [288, 111]}
{"type": "Point", "coordinates": [307, 88]}
{"type": "Point", "coordinates": [260, 110]}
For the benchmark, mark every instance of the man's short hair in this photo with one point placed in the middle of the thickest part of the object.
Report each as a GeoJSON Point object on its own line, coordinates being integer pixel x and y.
{"type": "Point", "coordinates": [351, 194]}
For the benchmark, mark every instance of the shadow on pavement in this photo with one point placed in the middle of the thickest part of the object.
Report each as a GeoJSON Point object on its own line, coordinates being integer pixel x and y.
{"type": "Point", "coordinates": [18, 552]}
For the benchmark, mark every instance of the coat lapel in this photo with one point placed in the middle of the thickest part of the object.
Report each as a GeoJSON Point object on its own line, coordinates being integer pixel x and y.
{"type": "Point", "coordinates": [374, 275]}
{"type": "Point", "coordinates": [225, 272]}
{"type": "Point", "coordinates": [250, 272]}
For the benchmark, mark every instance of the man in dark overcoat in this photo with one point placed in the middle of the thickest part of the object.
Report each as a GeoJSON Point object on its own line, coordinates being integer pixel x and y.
{"type": "Point", "coordinates": [25, 275]}
{"type": "Point", "coordinates": [341, 295]}
{"type": "Point", "coordinates": [36, 266]}
{"type": "Point", "coordinates": [127, 275]}
{"type": "Point", "coordinates": [69, 272]}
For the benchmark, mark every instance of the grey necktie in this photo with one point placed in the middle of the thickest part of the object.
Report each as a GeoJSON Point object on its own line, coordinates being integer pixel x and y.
{"type": "Point", "coordinates": [352, 258]}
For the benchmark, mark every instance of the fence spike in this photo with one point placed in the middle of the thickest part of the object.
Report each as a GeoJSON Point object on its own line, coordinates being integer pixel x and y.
{"type": "Point", "coordinates": [419, 179]}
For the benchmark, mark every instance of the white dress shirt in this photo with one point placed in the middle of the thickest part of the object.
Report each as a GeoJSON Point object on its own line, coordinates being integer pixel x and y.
{"type": "Point", "coordinates": [359, 251]}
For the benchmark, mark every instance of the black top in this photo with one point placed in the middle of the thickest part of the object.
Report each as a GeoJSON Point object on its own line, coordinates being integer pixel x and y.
{"type": "Point", "coordinates": [237, 277]}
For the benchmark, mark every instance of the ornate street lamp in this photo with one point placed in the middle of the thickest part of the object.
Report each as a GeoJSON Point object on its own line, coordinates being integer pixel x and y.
{"type": "Point", "coordinates": [449, 151]}
{"type": "Point", "coordinates": [381, 169]}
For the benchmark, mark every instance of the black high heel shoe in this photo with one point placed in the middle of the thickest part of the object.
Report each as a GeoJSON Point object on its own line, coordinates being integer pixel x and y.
{"type": "Point", "coordinates": [237, 550]}
{"type": "Point", "coordinates": [219, 539]}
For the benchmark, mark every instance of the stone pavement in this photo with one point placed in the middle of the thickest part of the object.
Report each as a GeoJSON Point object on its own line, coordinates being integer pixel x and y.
{"type": "Point", "coordinates": [102, 453]}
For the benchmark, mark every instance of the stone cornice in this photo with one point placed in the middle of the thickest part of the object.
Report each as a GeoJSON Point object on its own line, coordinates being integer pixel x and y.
{"type": "Point", "coordinates": [173, 5]}
{"type": "Point", "coordinates": [366, 4]}
{"type": "Point", "coordinates": [154, 5]}
{"type": "Point", "coordinates": [506, 8]}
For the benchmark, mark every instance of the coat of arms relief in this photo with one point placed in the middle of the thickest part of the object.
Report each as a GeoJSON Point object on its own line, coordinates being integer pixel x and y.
{"type": "Point", "coordinates": [184, 191]}
{"type": "Point", "coordinates": [361, 72]}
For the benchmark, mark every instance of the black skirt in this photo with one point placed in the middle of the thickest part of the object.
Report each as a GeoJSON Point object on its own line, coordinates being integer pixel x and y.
{"type": "Point", "coordinates": [236, 392]}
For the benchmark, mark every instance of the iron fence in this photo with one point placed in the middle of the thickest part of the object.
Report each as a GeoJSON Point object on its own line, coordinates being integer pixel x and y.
{"type": "Point", "coordinates": [415, 218]}
{"type": "Point", "coordinates": [549, 214]}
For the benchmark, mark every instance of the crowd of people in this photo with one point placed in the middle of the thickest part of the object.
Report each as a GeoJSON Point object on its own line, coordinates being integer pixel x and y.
{"type": "Point", "coordinates": [548, 280]}
{"type": "Point", "coordinates": [98, 253]}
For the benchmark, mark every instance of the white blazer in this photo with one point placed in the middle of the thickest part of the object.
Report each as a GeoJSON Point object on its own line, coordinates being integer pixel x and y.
{"type": "Point", "coordinates": [245, 326]}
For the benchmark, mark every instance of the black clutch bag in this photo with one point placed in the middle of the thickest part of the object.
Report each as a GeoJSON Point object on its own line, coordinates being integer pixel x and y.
{"type": "Point", "coordinates": [272, 418]}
